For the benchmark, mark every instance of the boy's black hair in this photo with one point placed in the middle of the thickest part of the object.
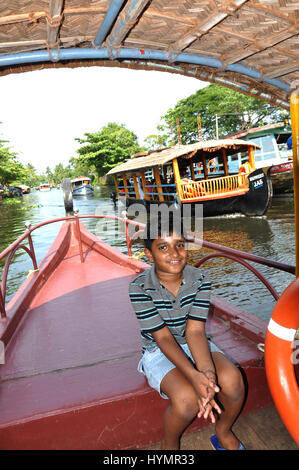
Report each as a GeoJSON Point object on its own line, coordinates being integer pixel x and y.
{"type": "Point", "coordinates": [161, 225]}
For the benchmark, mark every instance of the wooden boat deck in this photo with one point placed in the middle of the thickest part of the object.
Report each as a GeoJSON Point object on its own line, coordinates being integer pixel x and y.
{"type": "Point", "coordinates": [74, 356]}
{"type": "Point", "coordinates": [259, 430]}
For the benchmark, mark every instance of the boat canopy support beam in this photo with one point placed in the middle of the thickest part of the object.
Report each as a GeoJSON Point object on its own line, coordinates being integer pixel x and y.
{"type": "Point", "coordinates": [111, 15]}
{"type": "Point", "coordinates": [294, 102]}
{"type": "Point", "coordinates": [143, 57]}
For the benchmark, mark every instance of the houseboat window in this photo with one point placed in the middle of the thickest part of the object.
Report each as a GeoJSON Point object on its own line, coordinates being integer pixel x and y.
{"type": "Point", "coordinates": [284, 151]}
{"type": "Point", "coordinates": [268, 150]}
{"type": "Point", "coordinates": [233, 162]}
{"type": "Point", "coordinates": [149, 174]}
{"type": "Point", "coordinates": [219, 167]}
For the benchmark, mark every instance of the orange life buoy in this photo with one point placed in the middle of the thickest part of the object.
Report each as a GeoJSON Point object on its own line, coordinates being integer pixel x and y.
{"type": "Point", "coordinates": [281, 355]}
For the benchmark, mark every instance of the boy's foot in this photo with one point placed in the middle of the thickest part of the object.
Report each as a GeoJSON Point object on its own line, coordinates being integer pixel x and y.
{"type": "Point", "coordinates": [217, 446]}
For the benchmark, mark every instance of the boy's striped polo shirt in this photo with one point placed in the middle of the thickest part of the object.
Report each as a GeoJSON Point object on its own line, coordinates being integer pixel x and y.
{"type": "Point", "coordinates": [156, 307]}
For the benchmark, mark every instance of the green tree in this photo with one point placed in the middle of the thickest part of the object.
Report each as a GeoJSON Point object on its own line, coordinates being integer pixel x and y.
{"type": "Point", "coordinates": [49, 174]}
{"type": "Point", "coordinates": [218, 105]}
{"type": "Point", "coordinates": [11, 168]}
{"type": "Point", "coordinates": [80, 168]}
{"type": "Point", "coordinates": [107, 148]}
{"type": "Point", "coordinates": [30, 178]}
{"type": "Point", "coordinates": [156, 141]}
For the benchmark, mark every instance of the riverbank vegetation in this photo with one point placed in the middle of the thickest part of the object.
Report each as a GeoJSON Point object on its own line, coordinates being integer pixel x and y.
{"type": "Point", "coordinates": [212, 112]}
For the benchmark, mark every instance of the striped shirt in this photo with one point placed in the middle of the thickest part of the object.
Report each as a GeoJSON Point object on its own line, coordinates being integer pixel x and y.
{"type": "Point", "coordinates": [156, 307]}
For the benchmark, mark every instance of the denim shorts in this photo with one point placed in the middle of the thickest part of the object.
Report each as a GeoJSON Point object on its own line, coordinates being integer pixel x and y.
{"type": "Point", "coordinates": [155, 365]}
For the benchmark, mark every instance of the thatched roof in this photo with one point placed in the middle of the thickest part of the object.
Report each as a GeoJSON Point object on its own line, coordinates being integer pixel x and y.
{"type": "Point", "coordinates": [213, 147]}
{"type": "Point", "coordinates": [248, 45]}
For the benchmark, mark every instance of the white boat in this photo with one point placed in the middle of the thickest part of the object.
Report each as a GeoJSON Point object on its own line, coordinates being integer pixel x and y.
{"type": "Point", "coordinates": [44, 187]}
{"type": "Point", "coordinates": [276, 151]}
{"type": "Point", "coordinates": [81, 186]}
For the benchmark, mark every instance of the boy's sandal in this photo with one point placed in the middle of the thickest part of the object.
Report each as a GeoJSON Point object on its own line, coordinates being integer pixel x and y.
{"type": "Point", "coordinates": [216, 445]}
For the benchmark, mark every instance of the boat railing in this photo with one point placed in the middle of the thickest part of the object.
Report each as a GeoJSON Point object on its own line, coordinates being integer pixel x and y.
{"type": "Point", "coordinates": [208, 187]}
{"type": "Point", "coordinates": [151, 191]}
{"type": "Point", "coordinates": [222, 251]}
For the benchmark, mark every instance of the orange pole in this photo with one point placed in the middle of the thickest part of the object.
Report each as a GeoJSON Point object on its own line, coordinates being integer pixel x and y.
{"type": "Point", "coordinates": [295, 143]}
{"type": "Point", "coordinates": [125, 185]}
{"type": "Point", "coordinates": [224, 157]}
{"type": "Point", "coordinates": [177, 177]}
{"type": "Point", "coordinates": [145, 190]}
{"type": "Point", "coordinates": [136, 187]}
{"type": "Point", "coordinates": [251, 157]}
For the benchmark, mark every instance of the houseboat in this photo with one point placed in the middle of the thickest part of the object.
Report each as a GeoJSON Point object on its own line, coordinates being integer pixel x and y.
{"type": "Point", "coordinates": [275, 151]}
{"type": "Point", "coordinates": [81, 186]}
{"type": "Point", "coordinates": [25, 188]}
{"type": "Point", "coordinates": [45, 187]}
{"type": "Point", "coordinates": [196, 174]}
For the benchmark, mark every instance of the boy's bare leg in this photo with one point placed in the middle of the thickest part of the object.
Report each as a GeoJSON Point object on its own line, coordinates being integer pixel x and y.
{"type": "Point", "coordinates": [231, 397]}
{"type": "Point", "coordinates": [182, 409]}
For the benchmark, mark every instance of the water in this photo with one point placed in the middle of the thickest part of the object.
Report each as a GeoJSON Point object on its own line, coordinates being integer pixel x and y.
{"type": "Point", "coordinates": [271, 236]}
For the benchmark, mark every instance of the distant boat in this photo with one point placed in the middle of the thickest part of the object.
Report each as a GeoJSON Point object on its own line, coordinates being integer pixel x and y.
{"type": "Point", "coordinates": [81, 186]}
{"type": "Point", "coordinates": [25, 189]}
{"type": "Point", "coordinates": [44, 187]}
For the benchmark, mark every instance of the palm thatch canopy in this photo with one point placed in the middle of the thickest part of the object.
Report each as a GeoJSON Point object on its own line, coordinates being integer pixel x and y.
{"type": "Point", "coordinates": [162, 157]}
{"type": "Point", "coordinates": [248, 45]}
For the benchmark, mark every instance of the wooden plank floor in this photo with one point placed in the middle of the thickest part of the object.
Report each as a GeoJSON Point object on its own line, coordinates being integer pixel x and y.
{"type": "Point", "coordinates": [259, 430]}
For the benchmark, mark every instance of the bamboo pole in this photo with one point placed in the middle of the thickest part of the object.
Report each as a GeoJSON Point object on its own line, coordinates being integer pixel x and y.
{"type": "Point", "coordinates": [295, 144]}
{"type": "Point", "coordinates": [199, 128]}
{"type": "Point", "coordinates": [178, 128]}
{"type": "Point", "coordinates": [172, 134]}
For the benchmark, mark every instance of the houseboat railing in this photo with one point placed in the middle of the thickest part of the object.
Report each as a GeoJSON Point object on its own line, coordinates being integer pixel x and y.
{"type": "Point", "coordinates": [208, 187]}
{"type": "Point", "coordinates": [150, 191]}
{"type": "Point", "coordinates": [191, 189]}
{"type": "Point", "coordinates": [222, 251]}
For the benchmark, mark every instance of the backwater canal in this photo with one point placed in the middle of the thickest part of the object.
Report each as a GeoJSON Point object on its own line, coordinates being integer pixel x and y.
{"type": "Point", "coordinates": [271, 236]}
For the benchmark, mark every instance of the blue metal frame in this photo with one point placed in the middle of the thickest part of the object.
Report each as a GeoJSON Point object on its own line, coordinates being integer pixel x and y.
{"type": "Point", "coordinates": [136, 54]}
{"type": "Point", "coordinates": [108, 21]}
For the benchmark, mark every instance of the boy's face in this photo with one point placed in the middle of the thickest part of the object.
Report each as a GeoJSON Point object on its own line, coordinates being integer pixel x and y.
{"type": "Point", "coordinates": [168, 253]}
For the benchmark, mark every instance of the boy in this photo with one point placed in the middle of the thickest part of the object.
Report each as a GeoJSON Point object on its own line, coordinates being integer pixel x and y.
{"type": "Point", "coordinates": [171, 301]}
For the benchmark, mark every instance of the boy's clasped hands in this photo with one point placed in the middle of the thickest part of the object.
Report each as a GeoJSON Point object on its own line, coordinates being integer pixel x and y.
{"type": "Point", "coordinates": [206, 387]}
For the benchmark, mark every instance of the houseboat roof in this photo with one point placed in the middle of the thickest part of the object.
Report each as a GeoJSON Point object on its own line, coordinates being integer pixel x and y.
{"type": "Point", "coordinates": [80, 178]}
{"type": "Point", "coordinates": [277, 128]}
{"type": "Point", "coordinates": [158, 158]}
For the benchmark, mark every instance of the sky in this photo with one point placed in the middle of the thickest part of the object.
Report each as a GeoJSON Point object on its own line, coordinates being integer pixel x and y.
{"type": "Point", "coordinates": [42, 112]}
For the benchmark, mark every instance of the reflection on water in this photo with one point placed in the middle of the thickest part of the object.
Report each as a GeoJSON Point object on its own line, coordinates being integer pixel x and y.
{"type": "Point", "coordinates": [271, 236]}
